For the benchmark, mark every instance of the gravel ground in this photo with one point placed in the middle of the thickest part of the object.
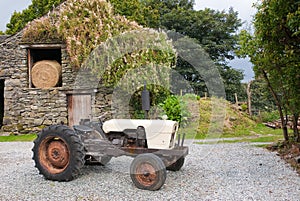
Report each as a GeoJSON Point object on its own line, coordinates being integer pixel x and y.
{"type": "Point", "coordinates": [211, 172]}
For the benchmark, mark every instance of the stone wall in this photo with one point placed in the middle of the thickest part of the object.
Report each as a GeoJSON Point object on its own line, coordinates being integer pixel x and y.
{"type": "Point", "coordinates": [102, 103]}
{"type": "Point", "coordinates": [35, 109]}
{"type": "Point", "coordinates": [28, 109]}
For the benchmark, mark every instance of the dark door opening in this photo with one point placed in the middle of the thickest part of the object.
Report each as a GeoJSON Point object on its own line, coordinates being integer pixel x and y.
{"type": "Point", "coordinates": [2, 83]}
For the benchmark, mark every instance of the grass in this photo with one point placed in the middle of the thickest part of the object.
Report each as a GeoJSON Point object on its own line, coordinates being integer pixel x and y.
{"type": "Point", "coordinates": [266, 135]}
{"type": "Point", "coordinates": [262, 139]}
{"type": "Point", "coordinates": [257, 130]}
{"type": "Point", "coordinates": [18, 138]}
{"type": "Point", "coordinates": [191, 132]}
{"type": "Point", "coordinates": [237, 124]}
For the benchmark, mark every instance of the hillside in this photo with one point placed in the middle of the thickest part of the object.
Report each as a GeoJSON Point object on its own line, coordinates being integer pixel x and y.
{"type": "Point", "coordinates": [235, 122]}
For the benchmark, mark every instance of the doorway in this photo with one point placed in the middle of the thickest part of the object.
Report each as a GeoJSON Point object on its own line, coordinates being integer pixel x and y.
{"type": "Point", "coordinates": [79, 107]}
{"type": "Point", "coordinates": [2, 86]}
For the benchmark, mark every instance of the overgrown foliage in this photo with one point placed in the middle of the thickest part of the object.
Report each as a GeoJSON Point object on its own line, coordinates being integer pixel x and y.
{"type": "Point", "coordinates": [82, 25]}
{"type": "Point", "coordinates": [43, 30]}
{"type": "Point", "coordinates": [85, 24]}
{"type": "Point", "coordinates": [274, 51]}
{"type": "Point", "coordinates": [148, 53]}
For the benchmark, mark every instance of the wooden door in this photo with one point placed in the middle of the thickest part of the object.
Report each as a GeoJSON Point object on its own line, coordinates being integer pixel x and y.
{"type": "Point", "coordinates": [79, 107]}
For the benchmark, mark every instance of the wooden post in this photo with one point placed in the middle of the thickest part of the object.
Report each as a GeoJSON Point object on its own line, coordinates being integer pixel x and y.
{"type": "Point", "coordinates": [236, 99]}
{"type": "Point", "coordinates": [249, 93]}
{"type": "Point", "coordinates": [30, 64]}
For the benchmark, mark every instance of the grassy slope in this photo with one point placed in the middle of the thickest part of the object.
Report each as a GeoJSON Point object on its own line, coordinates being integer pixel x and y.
{"type": "Point", "coordinates": [236, 123]}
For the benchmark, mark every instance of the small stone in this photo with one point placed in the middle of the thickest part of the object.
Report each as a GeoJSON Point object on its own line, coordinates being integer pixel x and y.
{"type": "Point", "coordinates": [232, 118]}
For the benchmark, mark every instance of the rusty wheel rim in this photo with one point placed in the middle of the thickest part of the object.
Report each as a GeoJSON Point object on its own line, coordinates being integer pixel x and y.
{"type": "Point", "coordinates": [146, 174]}
{"type": "Point", "coordinates": [54, 155]}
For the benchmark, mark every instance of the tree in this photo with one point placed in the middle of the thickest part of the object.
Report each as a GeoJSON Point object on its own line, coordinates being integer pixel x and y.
{"type": "Point", "coordinates": [37, 9]}
{"type": "Point", "coordinates": [261, 98]}
{"type": "Point", "coordinates": [274, 51]}
{"type": "Point", "coordinates": [232, 83]}
{"type": "Point", "coordinates": [137, 11]}
{"type": "Point", "coordinates": [214, 30]}
{"type": "Point", "coordinates": [149, 13]}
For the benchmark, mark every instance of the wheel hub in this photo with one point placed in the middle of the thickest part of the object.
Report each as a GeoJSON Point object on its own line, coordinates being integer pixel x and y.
{"type": "Point", "coordinates": [146, 174]}
{"type": "Point", "coordinates": [58, 154]}
{"type": "Point", "coordinates": [54, 155]}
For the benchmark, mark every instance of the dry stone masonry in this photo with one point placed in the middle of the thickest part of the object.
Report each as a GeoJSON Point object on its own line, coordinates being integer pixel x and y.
{"type": "Point", "coordinates": [28, 109]}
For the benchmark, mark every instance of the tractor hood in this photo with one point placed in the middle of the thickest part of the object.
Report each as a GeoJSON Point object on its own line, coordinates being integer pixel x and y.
{"type": "Point", "coordinates": [160, 134]}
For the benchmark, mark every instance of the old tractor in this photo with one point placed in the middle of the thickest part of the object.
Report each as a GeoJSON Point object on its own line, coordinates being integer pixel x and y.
{"type": "Point", "coordinates": [60, 152]}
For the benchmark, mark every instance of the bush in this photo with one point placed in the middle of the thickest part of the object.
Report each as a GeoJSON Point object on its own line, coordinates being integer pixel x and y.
{"type": "Point", "coordinates": [269, 116]}
{"type": "Point", "coordinates": [244, 107]}
{"type": "Point", "coordinates": [176, 109]}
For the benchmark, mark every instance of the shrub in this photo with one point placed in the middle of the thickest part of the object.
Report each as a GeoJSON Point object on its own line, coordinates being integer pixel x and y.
{"type": "Point", "coordinates": [244, 107]}
{"type": "Point", "coordinates": [269, 116]}
{"type": "Point", "coordinates": [176, 109]}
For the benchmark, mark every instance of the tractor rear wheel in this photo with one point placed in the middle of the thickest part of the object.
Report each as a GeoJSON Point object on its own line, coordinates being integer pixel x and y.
{"type": "Point", "coordinates": [177, 165]}
{"type": "Point", "coordinates": [148, 172]}
{"type": "Point", "coordinates": [58, 153]}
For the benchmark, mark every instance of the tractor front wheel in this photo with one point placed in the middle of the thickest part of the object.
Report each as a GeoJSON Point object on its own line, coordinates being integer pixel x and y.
{"type": "Point", "coordinates": [148, 172]}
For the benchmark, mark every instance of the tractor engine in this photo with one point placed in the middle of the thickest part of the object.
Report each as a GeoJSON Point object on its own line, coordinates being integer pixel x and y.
{"type": "Point", "coordinates": [129, 138]}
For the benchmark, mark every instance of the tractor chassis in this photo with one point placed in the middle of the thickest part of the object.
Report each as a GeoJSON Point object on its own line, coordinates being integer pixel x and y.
{"type": "Point", "coordinates": [103, 147]}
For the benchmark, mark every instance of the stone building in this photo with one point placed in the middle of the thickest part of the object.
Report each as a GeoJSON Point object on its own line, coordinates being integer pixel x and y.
{"type": "Point", "coordinates": [42, 76]}
{"type": "Point", "coordinates": [26, 108]}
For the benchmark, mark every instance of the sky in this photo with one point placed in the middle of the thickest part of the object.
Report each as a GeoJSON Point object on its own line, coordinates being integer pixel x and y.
{"type": "Point", "coordinates": [246, 12]}
{"type": "Point", "coordinates": [244, 8]}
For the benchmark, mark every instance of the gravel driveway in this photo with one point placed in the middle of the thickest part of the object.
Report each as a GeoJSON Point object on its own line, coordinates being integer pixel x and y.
{"type": "Point", "coordinates": [211, 172]}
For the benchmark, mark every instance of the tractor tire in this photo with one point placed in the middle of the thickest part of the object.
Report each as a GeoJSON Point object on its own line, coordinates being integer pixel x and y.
{"type": "Point", "coordinates": [148, 172]}
{"type": "Point", "coordinates": [58, 153]}
{"type": "Point", "coordinates": [177, 165]}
